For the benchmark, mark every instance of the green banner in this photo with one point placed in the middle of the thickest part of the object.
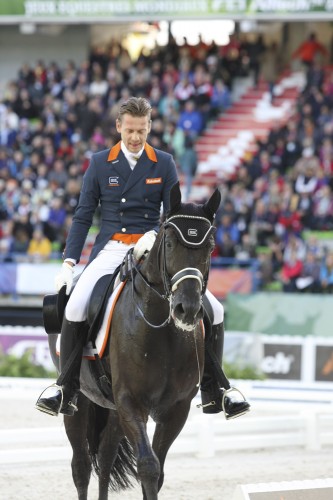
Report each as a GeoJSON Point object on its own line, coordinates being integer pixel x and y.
{"type": "Point", "coordinates": [281, 314]}
{"type": "Point", "coordinates": [31, 9]}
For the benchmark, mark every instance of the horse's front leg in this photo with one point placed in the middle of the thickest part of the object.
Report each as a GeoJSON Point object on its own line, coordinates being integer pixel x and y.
{"type": "Point", "coordinates": [133, 419]}
{"type": "Point", "coordinates": [166, 431]}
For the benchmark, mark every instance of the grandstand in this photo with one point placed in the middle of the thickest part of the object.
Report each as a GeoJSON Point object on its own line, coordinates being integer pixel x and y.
{"type": "Point", "coordinates": [55, 113]}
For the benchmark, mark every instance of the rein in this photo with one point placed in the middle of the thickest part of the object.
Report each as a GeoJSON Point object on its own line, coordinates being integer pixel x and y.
{"type": "Point", "coordinates": [170, 284]}
{"type": "Point", "coordinates": [134, 267]}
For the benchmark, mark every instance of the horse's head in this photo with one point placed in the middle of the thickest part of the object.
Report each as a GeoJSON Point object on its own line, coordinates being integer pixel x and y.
{"type": "Point", "coordinates": [183, 249]}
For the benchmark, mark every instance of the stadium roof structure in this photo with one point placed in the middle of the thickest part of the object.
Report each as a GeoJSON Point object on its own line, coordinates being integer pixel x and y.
{"type": "Point", "coordinates": [112, 11]}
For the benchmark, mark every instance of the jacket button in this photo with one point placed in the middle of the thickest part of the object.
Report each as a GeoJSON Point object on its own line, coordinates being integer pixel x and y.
{"type": "Point", "coordinates": [121, 214]}
{"type": "Point", "coordinates": [146, 199]}
{"type": "Point", "coordinates": [123, 229]}
{"type": "Point", "coordinates": [146, 216]}
{"type": "Point", "coordinates": [123, 200]}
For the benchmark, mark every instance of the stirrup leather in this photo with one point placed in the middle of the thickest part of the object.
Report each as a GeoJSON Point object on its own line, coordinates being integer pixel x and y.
{"type": "Point", "coordinates": [45, 410]}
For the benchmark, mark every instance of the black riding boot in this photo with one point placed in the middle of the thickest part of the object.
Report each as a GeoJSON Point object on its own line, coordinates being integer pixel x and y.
{"type": "Point", "coordinates": [214, 398]}
{"type": "Point", "coordinates": [72, 337]}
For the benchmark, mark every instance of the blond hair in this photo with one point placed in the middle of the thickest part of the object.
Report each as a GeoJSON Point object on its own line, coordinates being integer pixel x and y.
{"type": "Point", "coordinates": [135, 106]}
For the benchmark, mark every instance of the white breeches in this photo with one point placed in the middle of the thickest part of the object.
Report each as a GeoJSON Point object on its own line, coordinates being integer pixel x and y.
{"type": "Point", "coordinates": [218, 309]}
{"type": "Point", "coordinates": [105, 263]}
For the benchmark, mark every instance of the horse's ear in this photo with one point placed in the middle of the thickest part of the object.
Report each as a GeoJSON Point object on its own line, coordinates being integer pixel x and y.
{"type": "Point", "coordinates": [175, 198]}
{"type": "Point", "coordinates": [211, 206]}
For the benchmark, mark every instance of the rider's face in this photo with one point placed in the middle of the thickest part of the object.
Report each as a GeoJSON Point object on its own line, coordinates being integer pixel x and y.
{"type": "Point", "coordinates": [134, 131]}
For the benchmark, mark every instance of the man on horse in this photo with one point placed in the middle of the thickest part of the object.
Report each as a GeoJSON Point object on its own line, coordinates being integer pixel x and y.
{"type": "Point", "coordinates": [129, 182]}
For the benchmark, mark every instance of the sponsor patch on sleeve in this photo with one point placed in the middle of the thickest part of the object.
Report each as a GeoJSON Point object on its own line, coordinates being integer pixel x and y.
{"type": "Point", "coordinates": [154, 180]}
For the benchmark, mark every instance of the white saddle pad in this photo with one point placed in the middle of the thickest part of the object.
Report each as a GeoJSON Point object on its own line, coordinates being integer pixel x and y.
{"type": "Point", "coordinates": [103, 334]}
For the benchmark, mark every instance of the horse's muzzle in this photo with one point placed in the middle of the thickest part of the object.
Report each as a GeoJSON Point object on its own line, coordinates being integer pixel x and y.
{"type": "Point", "coordinates": [187, 308]}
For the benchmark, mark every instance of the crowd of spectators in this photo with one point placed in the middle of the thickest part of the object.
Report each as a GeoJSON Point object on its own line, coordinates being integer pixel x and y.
{"type": "Point", "coordinates": [279, 205]}
{"type": "Point", "coordinates": [53, 119]}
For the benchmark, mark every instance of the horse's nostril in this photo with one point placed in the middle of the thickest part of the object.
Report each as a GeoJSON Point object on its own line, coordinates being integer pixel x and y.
{"type": "Point", "coordinates": [188, 311]}
{"type": "Point", "coordinates": [179, 309]}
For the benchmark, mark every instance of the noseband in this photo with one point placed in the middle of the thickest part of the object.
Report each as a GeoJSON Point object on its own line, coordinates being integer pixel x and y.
{"type": "Point", "coordinates": [184, 274]}
{"type": "Point", "coordinates": [192, 232]}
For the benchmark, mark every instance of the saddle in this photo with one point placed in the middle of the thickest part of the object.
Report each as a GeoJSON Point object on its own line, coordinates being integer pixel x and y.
{"type": "Point", "coordinates": [54, 304]}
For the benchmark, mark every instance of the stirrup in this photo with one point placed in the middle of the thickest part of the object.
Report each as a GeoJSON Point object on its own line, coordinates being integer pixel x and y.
{"type": "Point", "coordinates": [227, 391]}
{"type": "Point", "coordinates": [45, 410]}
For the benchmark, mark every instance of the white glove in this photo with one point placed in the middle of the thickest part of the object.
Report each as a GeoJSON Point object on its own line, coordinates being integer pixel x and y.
{"type": "Point", "coordinates": [144, 244]}
{"type": "Point", "coordinates": [65, 277]}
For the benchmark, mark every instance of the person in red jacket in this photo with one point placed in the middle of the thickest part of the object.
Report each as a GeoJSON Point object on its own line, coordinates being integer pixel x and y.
{"type": "Point", "coordinates": [308, 50]}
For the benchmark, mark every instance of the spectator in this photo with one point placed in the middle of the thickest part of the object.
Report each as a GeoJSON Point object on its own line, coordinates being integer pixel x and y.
{"type": "Point", "coordinates": [190, 120]}
{"type": "Point", "coordinates": [271, 67]}
{"type": "Point", "coordinates": [246, 249]}
{"type": "Point", "coordinates": [294, 246]}
{"type": "Point", "coordinates": [40, 247]}
{"type": "Point", "coordinates": [326, 274]}
{"type": "Point", "coordinates": [56, 219]}
{"type": "Point", "coordinates": [309, 280]}
{"type": "Point", "coordinates": [20, 242]}
{"type": "Point", "coordinates": [188, 165]}
{"type": "Point", "coordinates": [261, 227]}
{"type": "Point", "coordinates": [58, 174]}
{"type": "Point", "coordinates": [309, 49]}
{"type": "Point", "coordinates": [231, 56]}
{"type": "Point", "coordinates": [254, 50]}
{"type": "Point", "coordinates": [184, 90]}
{"type": "Point", "coordinates": [306, 181]}
{"type": "Point", "coordinates": [227, 236]}
{"type": "Point", "coordinates": [220, 99]}
{"type": "Point", "coordinates": [291, 270]}
{"type": "Point", "coordinates": [323, 209]}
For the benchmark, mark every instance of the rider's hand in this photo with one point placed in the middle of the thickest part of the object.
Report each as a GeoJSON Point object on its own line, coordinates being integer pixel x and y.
{"type": "Point", "coordinates": [144, 245]}
{"type": "Point", "coordinates": [65, 277]}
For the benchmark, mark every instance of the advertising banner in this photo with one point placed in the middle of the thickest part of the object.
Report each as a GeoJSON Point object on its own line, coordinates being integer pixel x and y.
{"type": "Point", "coordinates": [281, 313]}
{"type": "Point", "coordinates": [282, 361]}
{"type": "Point", "coordinates": [19, 339]}
{"type": "Point", "coordinates": [156, 9]}
{"type": "Point", "coordinates": [324, 363]}
{"type": "Point", "coordinates": [298, 359]}
{"type": "Point", "coordinates": [290, 358]}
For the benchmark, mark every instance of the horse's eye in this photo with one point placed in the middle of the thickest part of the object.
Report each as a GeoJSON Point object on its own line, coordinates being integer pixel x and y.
{"type": "Point", "coordinates": [169, 244]}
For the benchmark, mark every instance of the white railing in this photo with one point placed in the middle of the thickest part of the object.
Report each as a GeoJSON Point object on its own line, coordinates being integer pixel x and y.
{"type": "Point", "coordinates": [283, 415]}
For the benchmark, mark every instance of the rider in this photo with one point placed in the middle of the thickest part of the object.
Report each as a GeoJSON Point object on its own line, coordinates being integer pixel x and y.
{"type": "Point", "coordinates": [129, 181]}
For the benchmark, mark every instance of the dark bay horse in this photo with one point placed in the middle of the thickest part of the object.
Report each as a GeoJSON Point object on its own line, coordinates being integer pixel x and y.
{"type": "Point", "coordinates": [155, 358]}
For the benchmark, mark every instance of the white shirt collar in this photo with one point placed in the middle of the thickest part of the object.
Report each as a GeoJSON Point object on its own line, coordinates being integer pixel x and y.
{"type": "Point", "coordinates": [131, 157]}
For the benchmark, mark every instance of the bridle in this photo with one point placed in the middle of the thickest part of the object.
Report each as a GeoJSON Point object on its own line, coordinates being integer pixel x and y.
{"type": "Point", "coordinates": [196, 236]}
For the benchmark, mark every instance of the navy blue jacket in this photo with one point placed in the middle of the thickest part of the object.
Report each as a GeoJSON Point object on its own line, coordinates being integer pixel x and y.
{"type": "Point", "coordinates": [130, 200]}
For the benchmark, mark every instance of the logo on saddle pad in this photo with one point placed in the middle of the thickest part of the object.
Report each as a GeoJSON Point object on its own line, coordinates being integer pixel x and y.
{"type": "Point", "coordinates": [192, 232]}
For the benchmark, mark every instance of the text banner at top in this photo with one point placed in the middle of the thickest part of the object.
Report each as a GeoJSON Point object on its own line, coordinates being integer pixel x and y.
{"type": "Point", "coordinates": [70, 10]}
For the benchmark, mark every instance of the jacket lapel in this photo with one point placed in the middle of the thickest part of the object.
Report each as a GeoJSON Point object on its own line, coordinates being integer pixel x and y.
{"type": "Point", "coordinates": [119, 163]}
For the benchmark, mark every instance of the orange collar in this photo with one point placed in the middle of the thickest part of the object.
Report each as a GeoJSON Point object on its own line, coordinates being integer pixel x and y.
{"type": "Point", "coordinates": [114, 152]}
